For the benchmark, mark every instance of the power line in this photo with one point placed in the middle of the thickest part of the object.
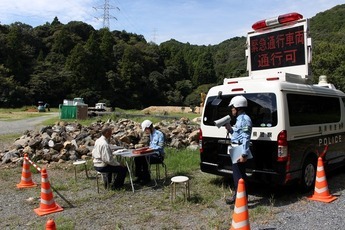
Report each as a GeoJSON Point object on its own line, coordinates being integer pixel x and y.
{"type": "Point", "coordinates": [106, 7]}
{"type": "Point", "coordinates": [131, 24]}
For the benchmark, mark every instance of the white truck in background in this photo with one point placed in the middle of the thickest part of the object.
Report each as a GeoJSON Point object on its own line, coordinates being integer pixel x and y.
{"type": "Point", "coordinates": [99, 107]}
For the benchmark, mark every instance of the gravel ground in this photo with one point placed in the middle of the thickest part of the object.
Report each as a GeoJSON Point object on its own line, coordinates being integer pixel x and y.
{"type": "Point", "coordinates": [303, 214]}
{"type": "Point", "coordinates": [150, 207]}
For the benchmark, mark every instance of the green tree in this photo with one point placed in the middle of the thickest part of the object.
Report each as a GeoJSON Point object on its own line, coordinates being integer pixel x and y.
{"type": "Point", "coordinates": [204, 70]}
{"type": "Point", "coordinates": [63, 42]}
{"type": "Point", "coordinates": [194, 99]}
{"type": "Point", "coordinates": [20, 52]}
{"type": "Point", "coordinates": [329, 61]}
{"type": "Point", "coordinates": [11, 93]}
{"type": "Point", "coordinates": [107, 49]}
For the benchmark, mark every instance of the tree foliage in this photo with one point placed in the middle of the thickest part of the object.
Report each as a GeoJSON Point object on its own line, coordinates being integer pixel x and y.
{"type": "Point", "coordinates": [54, 61]}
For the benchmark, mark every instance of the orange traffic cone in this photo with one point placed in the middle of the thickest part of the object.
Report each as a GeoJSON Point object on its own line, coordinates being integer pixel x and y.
{"type": "Point", "coordinates": [47, 204]}
{"type": "Point", "coordinates": [321, 192]}
{"type": "Point", "coordinates": [240, 217]}
{"type": "Point", "coordinates": [50, 225]}
{"type": "Point", "coordinates": [26, 181]}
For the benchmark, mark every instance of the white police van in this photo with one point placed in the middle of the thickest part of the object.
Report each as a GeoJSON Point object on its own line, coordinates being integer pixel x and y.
{"type": "Point", "coordinates": [294, 121]}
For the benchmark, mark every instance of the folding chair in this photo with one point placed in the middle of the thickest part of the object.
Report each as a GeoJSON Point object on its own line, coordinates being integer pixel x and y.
{"type": "Point", "coordinates": [160, 163]}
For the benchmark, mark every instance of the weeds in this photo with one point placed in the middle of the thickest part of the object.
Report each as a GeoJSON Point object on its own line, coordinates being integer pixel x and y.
{"type": "Point", "coordinates": [67, 223]}
{"type": "Point", "coordinates": [9, 138]}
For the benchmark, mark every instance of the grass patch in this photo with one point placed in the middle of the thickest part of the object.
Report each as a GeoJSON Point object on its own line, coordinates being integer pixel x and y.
{"type": "Point", "coordinates": [261, 212]}
{"type": "Point", "coordinates": [9, 137]}
{"type": "Point", "coordinates": [13, 110]}
{"type": "Point", "coordinates": [21, 113]}
{"type": "Point", "coordinates": [182, 161]}
{"type": "Point", "coordinates": [67, 223]}
{"type": "Point", "coordinates": [13, 116]}
{"type": "Point", "coordinates": [18, 113]}
{"type": "Point", "coordinates": [206, 187]}
{"type": "Point", "coordinates": [50, 121]}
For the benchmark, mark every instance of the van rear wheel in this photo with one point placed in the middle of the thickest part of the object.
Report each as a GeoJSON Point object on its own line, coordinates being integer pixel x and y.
{"type": "Point", "coordinates": [308, 174]}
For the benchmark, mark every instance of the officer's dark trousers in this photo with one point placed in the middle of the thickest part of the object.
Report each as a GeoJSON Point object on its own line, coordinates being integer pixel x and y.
{"type": "Point", "coordinates": [239, 171]}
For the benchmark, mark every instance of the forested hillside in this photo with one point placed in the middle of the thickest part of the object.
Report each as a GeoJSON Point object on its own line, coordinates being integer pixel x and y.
{"type": "Point", "coordinates": [328, 32]}
{"type": "Point", "coordinates": [55, 61]}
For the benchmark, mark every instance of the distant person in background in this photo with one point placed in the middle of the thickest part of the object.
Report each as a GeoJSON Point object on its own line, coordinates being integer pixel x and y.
{"type": "Point", "coordinates": [47, 106]}
{"type": "Point", "coordinates": [104, 161]}
{"type": "Point", "coordinates": [156, 143]}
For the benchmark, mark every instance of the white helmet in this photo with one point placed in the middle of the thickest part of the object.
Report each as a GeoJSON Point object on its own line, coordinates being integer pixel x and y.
{"type": "Point", "coordinates": [238, 102]}
{"type": "Point", "coordinates": [146, 124]}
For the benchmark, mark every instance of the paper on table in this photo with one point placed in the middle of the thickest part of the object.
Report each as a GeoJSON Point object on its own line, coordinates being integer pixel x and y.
{"type": "Point", "coordinates": [121, 151]}
{"type": "Point", "coordinates": [115, 147]}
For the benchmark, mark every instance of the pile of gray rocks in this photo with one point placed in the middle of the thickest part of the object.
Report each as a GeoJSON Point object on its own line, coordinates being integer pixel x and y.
{"type": "Point", "coordinates": [66, 141]}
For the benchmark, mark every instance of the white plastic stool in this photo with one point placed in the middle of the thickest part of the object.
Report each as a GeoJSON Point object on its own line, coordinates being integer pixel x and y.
{"type": "Point", "coordinates": [180, 180]}
{"type": "Point", "coordinates": [80, 162]}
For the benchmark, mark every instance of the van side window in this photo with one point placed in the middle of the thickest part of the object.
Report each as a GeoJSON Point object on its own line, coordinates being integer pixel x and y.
{"type": "Point", "coordinates": [309, 109]}
{"type": "Point", "coordinates": [262, 109]}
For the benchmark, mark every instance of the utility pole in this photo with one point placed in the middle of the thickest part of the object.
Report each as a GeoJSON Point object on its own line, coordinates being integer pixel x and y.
{"type": "Point", "coordinates": [154, 35]}
{"type": "Point", "coordinates": [106, 7]}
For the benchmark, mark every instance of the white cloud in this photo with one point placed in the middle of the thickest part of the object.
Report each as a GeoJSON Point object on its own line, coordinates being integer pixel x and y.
{"type": "Point", "coordinates": [194, 21]}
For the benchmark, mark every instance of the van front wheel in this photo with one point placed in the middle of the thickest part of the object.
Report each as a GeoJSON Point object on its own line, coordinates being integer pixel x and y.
{"type": "Point", "coordinates": [308, 174]}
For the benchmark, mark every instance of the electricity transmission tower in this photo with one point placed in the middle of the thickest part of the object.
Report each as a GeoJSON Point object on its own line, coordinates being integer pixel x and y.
{"type": "Point", "coordinates": [106, 7]}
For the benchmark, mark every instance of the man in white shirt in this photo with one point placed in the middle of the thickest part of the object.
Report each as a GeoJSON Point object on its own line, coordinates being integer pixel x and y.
{"type": "Point", "coordinates": [104, 162]}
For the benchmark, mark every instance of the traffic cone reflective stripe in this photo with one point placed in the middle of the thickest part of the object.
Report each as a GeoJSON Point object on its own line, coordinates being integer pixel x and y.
{"type": "Point", "coordinates": [26, 180]}
{"type": "Point", "coordinates": [47, 204]}
{"type": "Point", "coordinates": [321, 192]}
{"type": "Point", "coordinates": [240, 218]}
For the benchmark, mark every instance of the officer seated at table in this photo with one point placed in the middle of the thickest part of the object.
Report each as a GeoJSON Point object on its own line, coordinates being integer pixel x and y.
{"type": "Point", "coordinates": [156, 143]}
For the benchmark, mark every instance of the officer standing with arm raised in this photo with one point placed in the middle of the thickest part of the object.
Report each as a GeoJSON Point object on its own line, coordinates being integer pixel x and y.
{"type": "Point", "coordinates": [240, 136]}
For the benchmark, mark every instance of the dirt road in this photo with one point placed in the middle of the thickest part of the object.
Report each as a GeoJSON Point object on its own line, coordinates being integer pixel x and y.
{"type": "Point", "coordinates": [20, 126]}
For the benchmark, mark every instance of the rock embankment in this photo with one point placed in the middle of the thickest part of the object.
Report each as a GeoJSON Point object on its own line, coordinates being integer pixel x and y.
{"type": "Point", "coordinates": [71, 141]}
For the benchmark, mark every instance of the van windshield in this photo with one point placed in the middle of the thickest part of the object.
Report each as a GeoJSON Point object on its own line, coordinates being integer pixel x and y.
{"type": "Point", "coordinates": [262, 108]}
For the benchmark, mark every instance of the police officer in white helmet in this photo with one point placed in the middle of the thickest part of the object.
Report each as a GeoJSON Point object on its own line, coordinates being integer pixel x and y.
{"type": "Point", "coordinates": [240, 136]}
{"type": "Point", "coordinates": [157, 144]}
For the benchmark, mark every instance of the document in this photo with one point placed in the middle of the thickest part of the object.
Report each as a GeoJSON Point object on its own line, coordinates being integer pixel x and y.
{"type": "Point", "coordinates": [235, 153]}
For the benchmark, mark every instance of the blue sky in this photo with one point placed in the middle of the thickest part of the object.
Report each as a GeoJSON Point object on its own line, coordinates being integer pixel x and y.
{"type": "Point", "coordinates": [198, 22]}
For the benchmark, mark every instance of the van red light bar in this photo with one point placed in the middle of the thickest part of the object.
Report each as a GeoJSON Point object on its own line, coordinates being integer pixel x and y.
{"type": "Point", "coordinates": [281, 19]}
